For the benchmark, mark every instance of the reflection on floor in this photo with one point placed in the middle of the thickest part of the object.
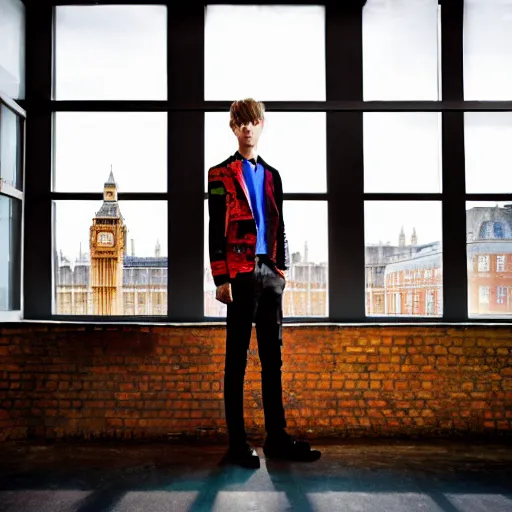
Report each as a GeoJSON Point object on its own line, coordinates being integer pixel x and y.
{"type": "Point", "coordinates": [356, 475]}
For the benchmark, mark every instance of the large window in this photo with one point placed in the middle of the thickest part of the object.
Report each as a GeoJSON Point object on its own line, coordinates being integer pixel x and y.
{"type": "Point", "coordinates": [12, 119]}
{"type": "Point", "coordinates": [402, 156]}
{"type": "Point", "coordinates": [106, 249]}
{"type": "Point", "coordinates": [110, 255]}
{"type": "Point", "coordinates": [396, 182]}
{"type": "Point", "coordinates": [306, 293]}
{"type": "Point", "coordinates": [290, 67]}
{"type": "Point", "coordinates": [487, 76]}
{"type": "Point", "coordinates": [11, 205]}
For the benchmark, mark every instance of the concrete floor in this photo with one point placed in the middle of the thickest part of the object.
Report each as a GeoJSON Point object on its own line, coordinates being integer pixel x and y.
{"type": "Point", "coordinates": [357, 475]}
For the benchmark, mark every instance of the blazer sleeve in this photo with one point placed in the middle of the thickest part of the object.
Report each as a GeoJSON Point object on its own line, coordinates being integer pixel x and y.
{"type": "Point", "coordinates": [283, 252]}
{"type": "Point", "coordinates": [217, 207]}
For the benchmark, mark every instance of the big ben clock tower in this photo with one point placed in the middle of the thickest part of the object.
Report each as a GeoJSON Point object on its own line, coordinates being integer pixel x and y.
{"type": "Point", "coordinates": [107, 243]}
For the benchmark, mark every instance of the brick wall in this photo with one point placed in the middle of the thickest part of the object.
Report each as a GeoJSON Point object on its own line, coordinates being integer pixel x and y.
{"type": "Point", "coordinates": [154, 382]}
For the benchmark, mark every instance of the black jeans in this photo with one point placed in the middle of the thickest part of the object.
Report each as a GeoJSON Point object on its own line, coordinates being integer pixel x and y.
{"type": "Point", "coordinates": [257, 296]}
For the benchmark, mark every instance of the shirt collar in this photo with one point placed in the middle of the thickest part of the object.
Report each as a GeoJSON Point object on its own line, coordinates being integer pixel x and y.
{"type": "Point", "coordinates": [239, 156]}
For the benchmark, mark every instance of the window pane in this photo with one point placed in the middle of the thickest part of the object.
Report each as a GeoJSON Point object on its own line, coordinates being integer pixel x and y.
{"type": "Point", "coordinates": [101, 269]}
{"type": "Point", "coordinates": [488, 151]}
{"type": "Point", "coordinates": [111, 52]}
{"type": "Point", "coordinates": [489, 253]}
{"type": "Point", "coordinates": [283, 132]}
{"type": "Point", "coordinates": [10, 254]}
{"type": "Point", "coordinates": [10, 148]}
{"type": "Point", "coordinates": [400, 50]}
{"type": "Point", "coordinates": [403, 249]}
{"type": "Point", "coordinates": [487, 49]}
{"type": "Point", "coordinates": [306, 292]}
{"type": "Point", "coordinates": [286, 45]}
{"type": "Point", "coordinates": [12, 48]}
{"type": "Point", "coordinates": [500, 262]}
{"type": "Point", "coordinates": [212, 307]}
{"type": "Point", "coordinates": [89, 144]}
{"type": "Point", "coordinates": [402, 152]}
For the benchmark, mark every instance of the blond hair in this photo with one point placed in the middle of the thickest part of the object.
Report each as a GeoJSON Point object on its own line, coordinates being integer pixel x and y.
{"type": "Point", "coordinates": [246, 111]}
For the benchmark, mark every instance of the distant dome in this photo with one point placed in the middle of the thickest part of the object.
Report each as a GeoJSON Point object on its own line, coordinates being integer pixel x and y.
{"type": "Point", "coordinates": [490, 230]}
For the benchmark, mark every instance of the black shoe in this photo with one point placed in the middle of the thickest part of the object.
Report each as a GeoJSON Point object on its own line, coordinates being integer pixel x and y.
{"type": "Point", "coordinates": [244, 455]}
{"type": "Point", "coordinates": [288, 448]}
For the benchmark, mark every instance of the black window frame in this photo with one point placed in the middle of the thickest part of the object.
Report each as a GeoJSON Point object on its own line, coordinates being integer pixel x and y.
{"type": "Point", "coordinates": [185, 106]}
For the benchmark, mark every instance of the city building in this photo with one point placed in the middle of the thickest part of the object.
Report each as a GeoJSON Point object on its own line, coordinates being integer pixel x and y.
{"type": "Point", "coordinates": [404, 279]}
{"type": "Point", "coordinates": [108, 281]}
{"type": "Point", "coordinates": [489, 251]}
{"type": "Point", "coordinates": [401, 280]}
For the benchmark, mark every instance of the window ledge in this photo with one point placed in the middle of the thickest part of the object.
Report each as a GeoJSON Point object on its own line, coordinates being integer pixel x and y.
{"type": "Point", "coordinates": [10, 316]}
{"type": "Point", "coordinates": [222, 323]}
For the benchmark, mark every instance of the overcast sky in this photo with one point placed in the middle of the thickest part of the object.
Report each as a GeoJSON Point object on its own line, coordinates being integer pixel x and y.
{"type": "Point", "coordinates": [122, 56]}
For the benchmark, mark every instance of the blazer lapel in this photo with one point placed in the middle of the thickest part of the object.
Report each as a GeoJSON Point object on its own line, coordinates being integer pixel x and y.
{"type": "Point", "coordinates": [269, 193]}
{"type": "Point", "coordinates": [236, 168]}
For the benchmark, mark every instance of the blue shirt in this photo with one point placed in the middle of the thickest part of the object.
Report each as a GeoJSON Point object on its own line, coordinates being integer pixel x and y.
{"type": "Point", "coordinates": [254, 176]}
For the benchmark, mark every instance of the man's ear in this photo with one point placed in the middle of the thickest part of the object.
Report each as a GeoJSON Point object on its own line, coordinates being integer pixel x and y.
{"type": "Point", "coordinates": [262, 121]}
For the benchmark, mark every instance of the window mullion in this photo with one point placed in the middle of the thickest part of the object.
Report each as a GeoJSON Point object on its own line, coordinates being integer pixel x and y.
{"type": "Point", "coordinates": [344, 73]}
{"type": "Point", "coordinates": [38, 222]}
{"type": "Point", "coordinates": [455, 303]}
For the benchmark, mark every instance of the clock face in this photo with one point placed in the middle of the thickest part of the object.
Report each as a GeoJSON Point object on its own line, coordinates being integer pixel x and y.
{"type": "Point", "coordinates": [105, 239]}
{"type": "Point", "coordinates": [110, 194]}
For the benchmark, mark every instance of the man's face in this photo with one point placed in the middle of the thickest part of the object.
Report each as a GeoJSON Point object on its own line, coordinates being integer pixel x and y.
{"type": "Point", "coordinates": [248, 134]}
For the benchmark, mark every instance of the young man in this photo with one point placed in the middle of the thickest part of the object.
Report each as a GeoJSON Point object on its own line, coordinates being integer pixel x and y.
{"type": "Point", "coordinates": [248, 256]}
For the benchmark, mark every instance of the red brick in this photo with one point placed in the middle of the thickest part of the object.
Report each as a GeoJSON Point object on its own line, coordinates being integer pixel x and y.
{"type": "Point", "coordinates": [347, 403]}
{"type": "Point", "coordinates": [354, 349]}
{"type": "Point", "coordinates": [127, 396]}
{"type": "Point", "coordinates": [179, 382]}
{"type": "Point", "coordinates": [377, 403]}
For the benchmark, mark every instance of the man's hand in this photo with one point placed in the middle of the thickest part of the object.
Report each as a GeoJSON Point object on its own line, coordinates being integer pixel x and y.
{"type": "Point", "coordinates": [283, 274]}
{"type": "Point", "coordinates": [223, 293]}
